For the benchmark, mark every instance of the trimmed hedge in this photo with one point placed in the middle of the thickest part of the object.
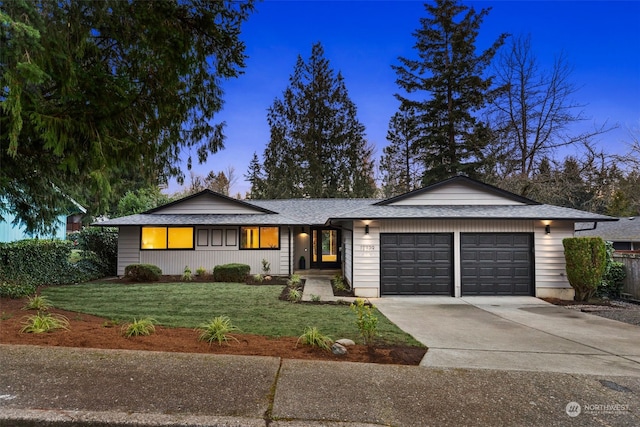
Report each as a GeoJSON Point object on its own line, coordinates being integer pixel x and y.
{"type": "Point", "coordinates": [231, 272]}
{"type": "Point", "coordinates": [586, 259]}
{"type": "Point", "coordinates": [143, 272]}
{"type": "Point", "coordinates": [36, 262]}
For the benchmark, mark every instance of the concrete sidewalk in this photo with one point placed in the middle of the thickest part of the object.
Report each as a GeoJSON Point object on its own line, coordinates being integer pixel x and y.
{"type": "Point", "coordinates": [515, 333]}
{"type": "Point", "coordinates": [49, 386]}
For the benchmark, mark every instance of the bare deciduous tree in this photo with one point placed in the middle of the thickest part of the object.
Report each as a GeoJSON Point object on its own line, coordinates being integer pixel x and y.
{"type": "Point", "coordinates": [532, 111]}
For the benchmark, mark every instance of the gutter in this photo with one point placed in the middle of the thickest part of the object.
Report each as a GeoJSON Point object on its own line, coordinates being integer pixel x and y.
{"type": "Point", "coordinates": [595, 225]}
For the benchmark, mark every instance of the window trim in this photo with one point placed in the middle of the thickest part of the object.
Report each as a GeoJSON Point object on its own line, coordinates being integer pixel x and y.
{"type": "Point", "coordinates": [167, 248]}
{"type": "Point", "coordinates": [259, 248]}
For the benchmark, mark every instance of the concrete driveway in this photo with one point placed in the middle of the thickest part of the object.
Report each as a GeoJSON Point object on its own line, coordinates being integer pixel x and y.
{"type": "Point", "coordinates": [515, 333]}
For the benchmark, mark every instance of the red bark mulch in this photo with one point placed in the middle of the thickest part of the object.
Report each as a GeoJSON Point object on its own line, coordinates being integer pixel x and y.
{"type": "Point", "coordinates": [89, 331]}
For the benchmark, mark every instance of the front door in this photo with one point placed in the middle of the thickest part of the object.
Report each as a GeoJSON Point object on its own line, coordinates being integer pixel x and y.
{"type": "Point", "coordinates": [325, 248]}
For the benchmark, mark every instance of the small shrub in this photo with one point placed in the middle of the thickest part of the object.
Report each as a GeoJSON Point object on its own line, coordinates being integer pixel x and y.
{"type": "Point", "coordinates": [312, 336]}
{"type": "Point", "coordinates": [266, 267]}
{"type": "Point", "coordinates": [294, 280]}
{"type": "Point", "coordinates": [44, 322]}
{"type": "Point", "coordinates": [315, 298]}
{"type": "Point", "coordinates": [258, 278]}
{"type": "Point", "coordinates": [37, 302]}
{"type": "Point", "coordinates": [338, 283]}
{"type": "Point", "coordinates": [234, 273]}
{"type": "Point", "coordinates": [139, 327]}
{"type": "Point", "coordinates": [201, 271]}
{"type": "Point", "coordinates": [110, 323]}
{"type": "Point", "coordinates": [15, 290]}
{"type": "Point", "coordinates": [217, 329]}
{"type": "Point", "coordinates": [614, 274]}
{"type": "Point", "coordinates": [143, 272]}
{"type": "Point", "coordinates": [294, 294]}
{"type": "Point", "coordinates": [586, 262]}
{"type": "Point", "coordinates": [367, 321]}
{"type": "Point", "coordinates": [186, 274]}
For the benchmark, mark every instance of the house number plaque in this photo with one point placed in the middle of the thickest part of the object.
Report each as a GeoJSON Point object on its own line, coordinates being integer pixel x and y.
{"type": "Point", "coordinates": [367, 248]}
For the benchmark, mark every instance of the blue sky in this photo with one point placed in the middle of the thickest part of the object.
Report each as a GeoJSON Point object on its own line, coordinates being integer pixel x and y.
{"type": "Point", "coordinates": [362, 39]}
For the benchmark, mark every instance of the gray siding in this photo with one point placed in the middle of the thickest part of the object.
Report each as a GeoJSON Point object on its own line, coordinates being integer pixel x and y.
{"type": "Point", "coordinates": [455, 194]}
{"type": "Point", "coordinates": [128, 247]}
{"type": "Point", "coordinates": [206, 256]}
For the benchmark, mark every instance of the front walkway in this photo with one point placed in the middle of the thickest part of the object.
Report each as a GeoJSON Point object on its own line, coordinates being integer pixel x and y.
{"type": "Point", "coordinates": [318, 284]}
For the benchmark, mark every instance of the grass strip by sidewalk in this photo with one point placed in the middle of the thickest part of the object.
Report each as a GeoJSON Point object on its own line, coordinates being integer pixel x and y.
{"type": "Point", "coordinates": [253, 309]}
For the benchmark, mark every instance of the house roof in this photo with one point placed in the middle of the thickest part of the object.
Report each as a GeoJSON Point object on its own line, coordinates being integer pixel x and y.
{"type": "Point", "coordinates": [547, 212]}
{"type": "Point", "coordinates": [625, 230]}
{"type": "Point", "coordinates": [471, 200]}
{"type": "Point", "coordinates": [461, 180]}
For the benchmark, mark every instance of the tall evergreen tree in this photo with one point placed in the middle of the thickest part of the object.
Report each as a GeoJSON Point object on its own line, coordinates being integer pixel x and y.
{"type": "Point", "coordinates": [90, 88]}
{"type": "Point", "coordinates": [317, 147]}
{"type": "Point", "coordinates": [401, 166]}
{"type": "Point", "coordinates": [256, 178]}
{"type": "Point", "coordinates": [450, 72]}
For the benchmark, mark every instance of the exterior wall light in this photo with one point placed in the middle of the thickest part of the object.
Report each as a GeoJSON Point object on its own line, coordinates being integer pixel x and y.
{"type": "Point", "coordinates": [547, 229]}
{"type": "Point", "coordinates": [366, 229]}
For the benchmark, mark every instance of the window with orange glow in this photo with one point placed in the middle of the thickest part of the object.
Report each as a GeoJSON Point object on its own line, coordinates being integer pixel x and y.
{"type": "Point", "coordinates": [260, 238]}
{"type": "Point", "coordinates": [167, 238]}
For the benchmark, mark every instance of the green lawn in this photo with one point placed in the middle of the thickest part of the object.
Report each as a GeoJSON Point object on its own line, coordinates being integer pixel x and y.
{"type": "Point", "coordinates": [253, 309]}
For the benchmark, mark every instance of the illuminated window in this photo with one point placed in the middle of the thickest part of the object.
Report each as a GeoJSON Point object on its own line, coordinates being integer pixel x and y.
{"type": "Point", "coordinates": [180, 238]}
{"type": "Point", "coordinates": [167, 238]}
{"type": "Point", "coordinates": [259, 238]}
{"type": "Point", "coordinates": [154, 238]}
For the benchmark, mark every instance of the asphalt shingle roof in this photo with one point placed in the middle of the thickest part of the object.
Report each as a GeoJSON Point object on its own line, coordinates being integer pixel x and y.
{"type": "Point", "coordinates": [320, 211]}
{"type": "Point", "coordinates": [624, 230]}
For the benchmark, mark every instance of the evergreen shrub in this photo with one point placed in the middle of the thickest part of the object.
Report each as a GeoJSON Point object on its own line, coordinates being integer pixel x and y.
{"type": "Point", "coordinates": [142, 272]}
{"type": "Point", "coordinates": [231, 272]}
{"type": "Point", "coordinates": [586, 263]}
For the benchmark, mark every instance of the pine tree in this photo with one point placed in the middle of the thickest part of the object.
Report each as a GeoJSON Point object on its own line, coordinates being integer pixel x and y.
{"type": "Point", "coordinates": [401, 166]}
{"type": "Point", "coordinates": [451, 73]}
{"type": "Point", "coordinates": [317, 147]}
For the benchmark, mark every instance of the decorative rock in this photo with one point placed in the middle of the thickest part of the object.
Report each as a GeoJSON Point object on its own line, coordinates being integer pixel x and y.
{"type": "Point", "coordinates": [338, 349]}
{"type": "Point", "coordinates": [345, 342]}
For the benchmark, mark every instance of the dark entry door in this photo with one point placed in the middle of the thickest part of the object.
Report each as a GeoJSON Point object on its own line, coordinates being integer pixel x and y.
{"type": "Point", "coordinates": [325, 247]}
{"type": "Point", "coordinates": [416, 264]}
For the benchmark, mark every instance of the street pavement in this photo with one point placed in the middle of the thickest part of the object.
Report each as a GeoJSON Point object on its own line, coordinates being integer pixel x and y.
{"type": "Point", "coordinates": [55, 386]}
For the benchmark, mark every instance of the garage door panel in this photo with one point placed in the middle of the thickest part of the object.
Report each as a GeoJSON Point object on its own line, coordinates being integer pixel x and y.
{"type": "Point", "coordinates": [428, 259]}
{"type": "Point", "coordinates": [388, 239]}
{"type": "Point", "coordinates": [406, 240]}
{"type": "Point", "coordinates": [404, 256]}
{"type": "Point", "coordinates": [496, 264]}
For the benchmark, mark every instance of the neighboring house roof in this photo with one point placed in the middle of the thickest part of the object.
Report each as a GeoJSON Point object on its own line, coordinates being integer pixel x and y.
{"type": "Point", "coordinates": [456, 198]}
{"type": "Point", "coordinates": [624, 230]}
